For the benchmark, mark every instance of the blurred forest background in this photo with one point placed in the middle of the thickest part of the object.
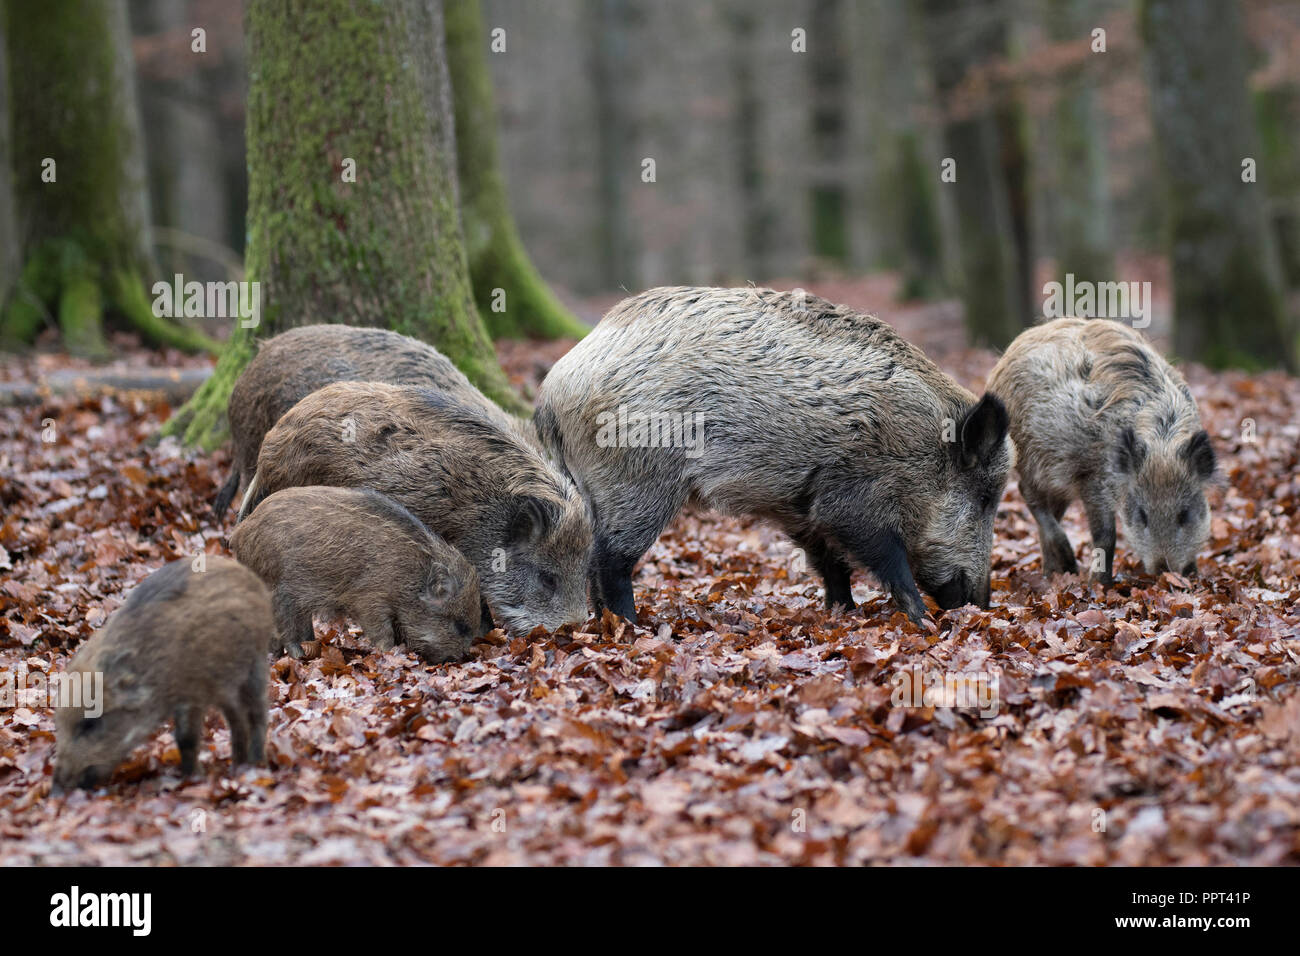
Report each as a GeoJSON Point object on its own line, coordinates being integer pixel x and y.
{"type": "Point", "coordinates": [788, 142]}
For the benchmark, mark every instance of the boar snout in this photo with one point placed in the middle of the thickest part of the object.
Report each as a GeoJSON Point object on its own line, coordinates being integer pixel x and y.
{"type": "Point", "coordinates": [957, 591]}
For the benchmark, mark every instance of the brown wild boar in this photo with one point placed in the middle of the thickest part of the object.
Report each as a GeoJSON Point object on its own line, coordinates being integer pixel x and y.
{"type": "Point", "coordinates": [185, 641]}
{"type": "Point", "coordinates": [466, 474]}
{"type": "Point", "coordinates": [293, 364]}
{"type": "Point", "coordinates": [786, 407]}
{"type": "Point", "coordinates": [1098, 415]}
{"type": "Point", "coordinates": [353, 551]}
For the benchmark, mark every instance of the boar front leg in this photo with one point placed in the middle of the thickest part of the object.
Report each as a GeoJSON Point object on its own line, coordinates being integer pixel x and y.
{"type": "Point", "coordinates": [189, 725]}
{"type": "Point", "coordinates": [1058, 553]}
{"type": "Point", "coordinates": [237, 720]}
{"type": "Point", "coordinates": [835, 572]}
{"type": "Point", "coordinates": [1101, 525]}
{"type": "Point", "coordinates": [613, 576]}
{"type": "Point", "coordinates": [881, 551]}
{"type": "Point", "coordinates": [252, 699]}
{"type": "Point", "coordinates": [380, 631]}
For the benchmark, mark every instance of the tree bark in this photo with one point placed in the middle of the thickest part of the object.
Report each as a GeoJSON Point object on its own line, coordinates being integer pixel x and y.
{"type": "Point", "coordinates": [9, 258]}
{"type": "Point", "coordinates": [1083, 244]}
{"type": "Point", "coordinates": [497, 259]}
{"type": "Point", "coordinates": [1228, 308]}
{"type": "Point", "coordinates": [337, 85]}
{"type": "Point", "coordinates": [85, 232]}
{"type": "Point", "coordinates": [961, 35]}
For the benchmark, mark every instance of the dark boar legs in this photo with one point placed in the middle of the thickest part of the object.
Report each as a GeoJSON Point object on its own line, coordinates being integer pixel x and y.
{"type": "Point", "coordinates": [1101, 525]}
{"type": "Point", "coordinates": [836, 574]}
{"type": "Point", "coordinates": [189, 725]}
{"type": "Point", "coordinates": [292, 623]}
{"type": "Point", "coordinates": [1058, 554]}
{"type": "Point", "coordinates": [882, 553]}
{"type": "Point", "coordinates": [612, 573]}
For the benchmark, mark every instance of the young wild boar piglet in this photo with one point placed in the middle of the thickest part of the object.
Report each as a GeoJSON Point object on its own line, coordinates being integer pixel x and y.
{"type": "Point", "coordinates": [293, 364]}
{"type": "Point", "coordinates": [185, 641]}
{"type": "Point", "coordinates": [1097, 414]}
{"type": "Point", "coordinates": [353, 551]}
{"type": "Point", "coordinates": [786, 407]}
{"type": "Point", "coordinates": [468, 476]}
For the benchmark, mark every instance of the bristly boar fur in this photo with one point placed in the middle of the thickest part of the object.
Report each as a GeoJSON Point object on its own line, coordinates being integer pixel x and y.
{"type": "Point", "coordinates": [816, 417]}
{"type": "Point", "coordinates": [185, 641]}
{"type": "Point", "coordinates": [356, 552]}
{"type": "Point", "coordinates": [1098, 415]}
{"type": "Point", "coordinates": [293, 364]}
{"type": "Point", "coordinates": [470, 477]}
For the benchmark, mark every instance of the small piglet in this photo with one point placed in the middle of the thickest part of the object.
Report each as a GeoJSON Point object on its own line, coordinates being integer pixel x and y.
{"type": "Point", "coordinates": [185, 641]}
{"type": "Point", "coordinates": [354, 551]}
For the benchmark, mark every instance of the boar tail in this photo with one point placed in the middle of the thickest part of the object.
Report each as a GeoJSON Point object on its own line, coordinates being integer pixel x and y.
{"type": "Point", "coordinates": [226, 495]}
{"type": "Point", "coordinates": [252, 498]}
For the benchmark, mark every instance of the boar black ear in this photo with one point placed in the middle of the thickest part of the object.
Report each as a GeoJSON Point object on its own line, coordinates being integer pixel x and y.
{"type": "Point", "coordinates": [1199, 454]}
{"type": "Point", "coordinates": [1130, 451]}
{"type": "Point", "coordinates": [529, 521]}
{"type": "Point", "coordinates": [983, 430]}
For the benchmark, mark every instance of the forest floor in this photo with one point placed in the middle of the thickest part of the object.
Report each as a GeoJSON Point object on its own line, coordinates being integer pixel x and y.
{"type": "Point", "coordinates": [740, 723]}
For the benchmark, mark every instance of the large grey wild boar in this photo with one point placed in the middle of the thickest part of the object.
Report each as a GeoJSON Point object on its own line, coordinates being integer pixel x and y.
{"type": "Point", "coordinates": [783, 406]}
{"type": "Point", "coordinates": [293, 364]}
{"type": "Point", "coordinates": [470, 477]}
{"type": "Point", "coordinates": [356, 552]}
{"type": "Point", "coordinates": [1098, 415]}
{"type": "Point", "coordinates": [185, 641]}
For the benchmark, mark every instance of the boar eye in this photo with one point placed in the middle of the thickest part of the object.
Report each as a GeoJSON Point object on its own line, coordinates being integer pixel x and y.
{"type": "Point", "coordinates": [462, 629]}
{"type": "Point", "coordinates": [87, 725]}
{"type": "Point", "coordinates": [548, 580]}
{"type": "Point", "coordinates": [1183, 516]}
{"type": "Point", "coordinates": [1142, 516]}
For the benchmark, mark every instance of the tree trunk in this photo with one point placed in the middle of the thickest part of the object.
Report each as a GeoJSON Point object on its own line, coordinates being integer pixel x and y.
{"type": "Point", "coordinates": [497, 261]}
{"type": "Point", "coordinates": [1277, 113]}
{"type": "Point", "coordinates": [338, 86]}
{"type": "Point", "coordinates": [1228, 306]}
{"type": "Point", "coordinates": [1082, 233]}
{"type": "Point", "coordinates": [961, 35]}
{"type": "Point", "coordinates": [79, 178]}
{"type": "Point", "coordinates": [9, 259]}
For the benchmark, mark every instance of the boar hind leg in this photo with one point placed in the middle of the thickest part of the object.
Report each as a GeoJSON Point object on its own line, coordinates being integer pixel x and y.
{"type": "Point", "coordinates": [1101, 526]}
{"type": "Point", "coordinates": [882, 553]}
{"type": "Point", "coordinates": [485, 622]}
{"type": "Point", "coordinates": [189, 727]}
{"type": "Point", "coordinates": [1058, 553]}
{"type": "Point", "coordinates": [292, 624]}
{"type": "Point", "coordinates": [835, 571]}
{"type": "Point", "coordinates": [252, 700]}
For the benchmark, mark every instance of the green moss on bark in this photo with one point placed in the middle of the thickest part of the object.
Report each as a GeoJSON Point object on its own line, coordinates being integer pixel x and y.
{"type": "Point", "coordinates": [525, 305]}
{"type": "Point", "coordinates": [352, 212]}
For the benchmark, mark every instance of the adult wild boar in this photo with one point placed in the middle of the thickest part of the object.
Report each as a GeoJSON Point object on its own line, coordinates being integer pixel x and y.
{"type": "Point", "coordinates": [1098, 415]}
{"type": "Point", "coordinates": [783, 406]}
{"type": "Point", "coordinates": [356, 552]}
{"type": "Point", "coordinates": [293, 364]}
{"type": "Point", "coordinates": [469, 476]}
{"type": "Point", "coordinates": [185, 641]}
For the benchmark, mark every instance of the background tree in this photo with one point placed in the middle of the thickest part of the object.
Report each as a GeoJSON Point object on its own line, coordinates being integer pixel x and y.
{"type": "Point", "coordinates": [83, 221]}
{"type": "Point", "coordinates": [1228, 307]}
{"type": "Point", "coordinates": [340, 87]}
{"type": "Point", "coordinates": [8, 227]}
{"type": "Point", "coordinates": [962, 38]}
{"type": "Point", "coordinates": [497, 259]}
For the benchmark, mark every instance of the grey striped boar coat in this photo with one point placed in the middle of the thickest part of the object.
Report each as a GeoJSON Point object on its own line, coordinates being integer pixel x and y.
{"type": "Point", "coordinates": [1098, 415]}
{"type": "Point", "coordinates": [185, 641]}
{"type": "Point", "coordinates": [464, 471]}
{"type": "Point", "coordinates": [811, 415]}
{"type": "Point", "coordinates": [356, 552]}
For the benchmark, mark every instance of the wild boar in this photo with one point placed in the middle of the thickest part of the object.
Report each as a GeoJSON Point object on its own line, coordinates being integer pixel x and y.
{"type": "Point", "coordinates": [293, 364]}
{"type": "Point", "coordinates": [353, 551]}
{"type": "Point", "coordinates": [468, 476]}
{"type": "Point", "coordinates": [185, 641]}
{"type": "Point", "coordinates": [1098, 415]}
{"type": "Point", "coordinates": [785, 407]}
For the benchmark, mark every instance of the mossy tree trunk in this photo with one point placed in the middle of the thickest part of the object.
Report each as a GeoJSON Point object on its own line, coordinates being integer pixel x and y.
{"type": "Point", "coordinates": [960, 36]}
{"type": "Point", "coordinates": [1277, 113]}
{"type": "Point", "coordinates": [1083, 243]}
{"type": "Point", "coordinates": [336, 87]}
{"type": "Point", "coordinates": [1228, 307]}
{"type": "Point", "coordinates": [79, 179]}
{"type": "Point", "coordinates": [524, 306]}
{"type": "Point", "coordinates": [8, 216]}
